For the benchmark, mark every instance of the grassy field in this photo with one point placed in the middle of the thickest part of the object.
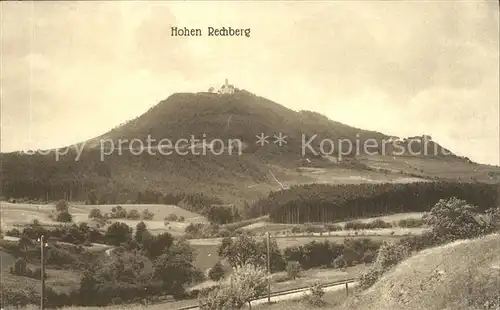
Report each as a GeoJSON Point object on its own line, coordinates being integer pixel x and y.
{"type": "Point", "coordinates": [460, 275]}
{"type": "Point", "coordinates": [331, 299]}
{"type": "Point", "coordinates": [265, 225]}
{"type": "Point", "coordinates": [339, 175]}
{"type": "Point", "coordinates": [22, 214]}
{"type": "Point", "coordinates": [452, 169]}
{"type": "Point", "coordinates": [206, 249]}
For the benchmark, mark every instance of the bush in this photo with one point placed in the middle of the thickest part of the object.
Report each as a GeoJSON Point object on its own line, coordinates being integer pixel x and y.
{"type": "Point", "coordinates": [147, 215]}
{"type": "Point", "coordinates": [171, 217]}
{"type": "Point", "coordinates": [339, 262]}
{"type": "Point", "coordinates": [411, 223]}
{"type": "Point", "coordinates": [14, 232]}
{"type": "Point", "coordinates": [133, 214]}
{"type": "Point", "coordinates": [333, 227]}
{"type": "Point", "coordinates": [293, 270]}
{"type": "Point", "coordinates": [118, 233]}
{"type": "Point", "coordinates": [388, 256]}
{"type": "Point", "coordinates": [453, 219]}
{"type": "Point", "coordinates": [62, 206]}
{"type": "Point", "coordinates": [358, 225]}
{"type": "Point", "coordinates": [193, 230]}
{"type": "Point", "coordinates": [118, 213]}
{"type": "Point", "coordinates": [18, 297]}
{"type": "Point", "coordinates": [21, 269]}
{"type": "Point", "coordinates": [95, 214]}
{"type": "Point", "coordinates": [315, 296]}
{"type": "Point", "coordinates": [64, 217]}
{"type": "Point", "coordinates": [218, 214]}
{"type": "Point", "coordinates": [216, 272]}
{"type": "Point", "coordinates": [378, 223]}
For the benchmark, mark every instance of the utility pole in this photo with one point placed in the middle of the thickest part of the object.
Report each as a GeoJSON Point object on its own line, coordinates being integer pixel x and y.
{"type": "Point", "coordinates": [42, 276]}
{"type": "Point", "coordinates": [268, 269]}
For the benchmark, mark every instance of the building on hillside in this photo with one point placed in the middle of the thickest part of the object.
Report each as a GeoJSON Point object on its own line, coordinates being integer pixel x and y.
{"type": "Point", "coordinates": [226, 89]}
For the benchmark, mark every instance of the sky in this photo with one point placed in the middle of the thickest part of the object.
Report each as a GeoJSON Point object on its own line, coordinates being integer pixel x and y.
{"type": "Point", "coordinates": [71, 71]}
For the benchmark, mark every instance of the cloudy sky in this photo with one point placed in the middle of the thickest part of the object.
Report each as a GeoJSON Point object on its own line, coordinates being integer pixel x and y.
{"type": "Point", "coordinates": [72, 71]}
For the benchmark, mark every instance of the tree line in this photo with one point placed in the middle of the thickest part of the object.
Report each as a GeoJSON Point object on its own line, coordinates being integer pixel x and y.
{"type": "Point", "coordinates": [332, 203]}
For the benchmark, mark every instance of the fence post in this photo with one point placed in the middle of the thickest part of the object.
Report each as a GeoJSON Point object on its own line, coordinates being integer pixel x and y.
{"type": "Point", "coordinates": [347, 289]}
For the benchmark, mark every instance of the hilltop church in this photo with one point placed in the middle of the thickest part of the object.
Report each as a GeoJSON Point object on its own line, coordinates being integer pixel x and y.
{"type": "Point", "coordinates": [226, 89]}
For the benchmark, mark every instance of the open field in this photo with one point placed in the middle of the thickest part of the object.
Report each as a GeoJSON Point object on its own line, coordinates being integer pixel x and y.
{"type": "Point", "coordinates": [13, 214]}
{"type": "Point", "coordinates": [6, 260]}
{"type": "Point", "coordinates": [339, 175]}
{"type": "Point", "coordinates": [265, 225]}
{"type": "Point", "coordinates": [206, 249]}
{"type": "Point", "coordinates": [453, 169]}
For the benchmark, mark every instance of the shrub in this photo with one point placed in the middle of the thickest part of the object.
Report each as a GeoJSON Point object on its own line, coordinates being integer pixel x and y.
{"type": "Point", "coordinates": [315, 296]}
{"type": "Point", "coordinates": [171, 217]}
{"type": "Point", "coordinates": [357, 225]}
{"type": "Point", "coordinates": [333, 227]}
{"type": "Point", "coordinates": [293, 270]}
{"type": "Point", "coordinates": [20, 267]}
{"type": "Point", "coordinates": [388, 256]}
{"type": "Point", "coordinates": [339, 262]}
{"type": "Point", "coordinates": [64, 217]}
{"type": "Point", "coordinates": [453, 219]}
{"type": "Point", "coordinates": [224, 232]}
{"type": "Point", "coordinates": [354, 225]}
{"type": "Point", "coordinates": [218, 214]}
{"type": "Point", "coordinates": [147, 215]}
{"type": "Point", "coordinates": [14, 232]}
{"type": "Point", "coordinates": [62, 206]}
{"type": "Point", "coordinates": [118, 212]}
{"type": "Point", "coordinates": [216, 272]}
{"type": "Point", "coordinates": [95, 214]}
{"type": "Point", "coordinates": [411, 223]}
{"type": "Point", "coordinates": [378, 223]}
{"type": "Point", "coordinates": [18, 297]}
{"type": "Point", "coordinates": [133, 214]}
{"type": "Point", "coordinates": [118, 233]}
{"type": "Point", "coordinates": [193, 230]}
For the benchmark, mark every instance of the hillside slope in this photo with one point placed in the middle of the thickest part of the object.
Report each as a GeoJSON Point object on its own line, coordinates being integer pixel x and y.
{"type": "Point", "coordinates": [461, 275]}
{"type": "Point", "coordinates": [118, 174]}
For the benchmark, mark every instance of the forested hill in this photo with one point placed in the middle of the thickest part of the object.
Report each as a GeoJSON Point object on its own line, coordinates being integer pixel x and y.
{"type": "Point", "coordinates": [119, 176]}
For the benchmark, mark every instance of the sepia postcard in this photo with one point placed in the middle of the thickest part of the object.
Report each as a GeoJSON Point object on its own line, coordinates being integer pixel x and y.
{"type": "Point", "coordinates": [270, 155]}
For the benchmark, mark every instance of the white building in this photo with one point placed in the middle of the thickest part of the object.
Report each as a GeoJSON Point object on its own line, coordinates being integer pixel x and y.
{"type": "Point", "coordinates": [227, 88]}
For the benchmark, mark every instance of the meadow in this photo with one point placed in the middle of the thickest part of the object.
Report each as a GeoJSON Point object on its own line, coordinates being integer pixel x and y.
{"type": "Point", "coordinates": [15, 215]}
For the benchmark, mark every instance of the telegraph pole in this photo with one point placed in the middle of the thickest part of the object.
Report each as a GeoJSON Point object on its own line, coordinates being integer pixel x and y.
{"type": "Point", "coordinates": [268, 269]}
{"type": "Point", "coordinates": [42, 276]}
